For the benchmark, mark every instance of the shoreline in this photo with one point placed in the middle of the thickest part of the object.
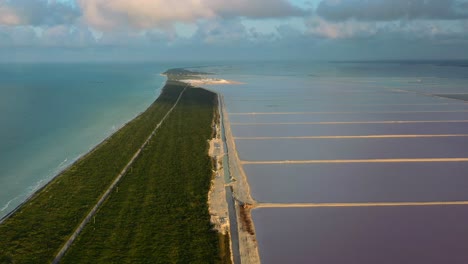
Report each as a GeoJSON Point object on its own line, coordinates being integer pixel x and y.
{"type": "Point", "coordinates": [209, 81]}
{"type": "Point", "coordinates": [80, 157]}
{"type": "Point", "coordinates": [244, 246]}
{"type": "Point", "coordinates": [232, 188]}
{"type": "Point", "coordinates": [115, 182]}
{"type": "Point", "coordinates": [159, 179]}
{"type": "Point", "coordinates": [239, 192]}
{"type": "Point", "coordinates": [244, 202]}
{"type": "Point", "coordinates": [18, 221]}
{"type": "Point", "coordinates": [218, 195]}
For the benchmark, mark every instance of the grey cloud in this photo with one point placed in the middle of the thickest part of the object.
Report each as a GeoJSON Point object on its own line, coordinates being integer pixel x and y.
{"type": "Point", "coordinates": [38, 13]}
{"type": "Point", "coordinates": [387, 10]}
{"type": "Point", "coordinates": [256, 8]}
{"type": "Point", "coordinates": [53, 36]}
{"type": "Point", "coordinates": [20, 36]}
{"type": "Point", "coordinates": [157, 36]}
{"type": "Point", "coordinates": [64, 36]}
{"type": "Point", "coordinates": [220, 32]}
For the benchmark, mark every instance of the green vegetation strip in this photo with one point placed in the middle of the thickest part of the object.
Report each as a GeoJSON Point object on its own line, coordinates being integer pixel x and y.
{"type": "Point", "coordinates": [158, 213]}
{"type": "Point", "coordinates": [110, 189]}
{"type": "Point", "coordinates": [37, 230]}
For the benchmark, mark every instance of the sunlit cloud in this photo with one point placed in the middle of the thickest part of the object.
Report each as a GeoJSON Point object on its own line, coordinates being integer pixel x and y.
{"type": "Point", "coordinates": [8, 16]}
{"type": "Point", "coordinates": [222, 27]}
{"type": "Point", "coordinates": [144, 14]}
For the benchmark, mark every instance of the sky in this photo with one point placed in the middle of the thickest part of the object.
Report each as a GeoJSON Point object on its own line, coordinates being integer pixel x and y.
{"type": "Point", "coordinates": [146, 30]}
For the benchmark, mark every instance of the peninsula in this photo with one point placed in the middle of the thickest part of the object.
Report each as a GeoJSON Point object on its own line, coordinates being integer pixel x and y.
{"type": "Point", "coordinates": [140, 196]}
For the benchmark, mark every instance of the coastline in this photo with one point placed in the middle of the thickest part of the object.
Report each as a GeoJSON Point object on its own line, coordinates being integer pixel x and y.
{"type": "Point", "coordinates": [243, 200]}
{"type": "Point", "coordinates": [231, 192]}
{"type": "Point", "coordinates": [224, 206]}
{"type": "Point", "coordinates": [107, 193]}
{"type": "Point", "coordinates": [209, 81]}
{"type": "Point", "coordinates": [79, 158]}
{"type": "Point", "coordinates": [237, 191]}
{"type": "Point", "coordinates": [54, 208]}
{"type": "Point", "coordinates": [163, 208]}
{"type": "Point", "coordinates": [218, 195]}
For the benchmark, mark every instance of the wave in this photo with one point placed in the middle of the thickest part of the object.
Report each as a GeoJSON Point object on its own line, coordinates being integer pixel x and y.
{"type": "Point", "coordinates": [8, 204]}
{"type": "Point", "coordinates": [63, 163]}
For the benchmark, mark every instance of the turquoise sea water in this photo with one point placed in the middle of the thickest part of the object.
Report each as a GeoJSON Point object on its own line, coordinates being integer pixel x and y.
{"type": "Point", "coordinates": [50, 114]}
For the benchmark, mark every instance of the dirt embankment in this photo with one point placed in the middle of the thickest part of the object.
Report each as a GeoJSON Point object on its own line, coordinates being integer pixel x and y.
{"type": "Point", "coordinates": [217, 204]}
{"type": "Point", "coordinates": [248, 247]}
{"type": "Point", "coordinates": [244, 202]}
{"type": "Point", "coordinates": [246, 218]}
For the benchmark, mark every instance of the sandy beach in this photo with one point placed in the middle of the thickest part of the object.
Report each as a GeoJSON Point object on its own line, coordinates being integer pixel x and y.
{"type": "Point", "coordinates": [208, 81]}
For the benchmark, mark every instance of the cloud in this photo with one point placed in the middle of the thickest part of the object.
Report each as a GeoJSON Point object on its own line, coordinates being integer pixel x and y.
{"type": "Point", "coordinates": [144, 14]}
{"type": "Point", "coordinates": [387, 10]}
{"type": "Point", "coordinates": [36, 13]}
{"type": "Point", "coordinates": [18, 36]}
{"type": "Point", "coordinates": [321, 28]}
{"type": "Point", "coordinates": [65, 36]}
{"type": "Point", "coordinates": [54, 36]}
{"type": "Point", "coordinates": [405, 30]}
{"type": "Point", "coordinates": [128, 29]}
{"type": "Point", "coordinates": [255, 8]}
{"type": "Point", "coordinates": [8, 16]}
{"type": "Point", "coordinates": [220, 32]}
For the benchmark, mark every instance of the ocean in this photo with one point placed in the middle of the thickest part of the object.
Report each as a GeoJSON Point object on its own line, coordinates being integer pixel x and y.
{"type": "Point", "coordinates": [51, 114]}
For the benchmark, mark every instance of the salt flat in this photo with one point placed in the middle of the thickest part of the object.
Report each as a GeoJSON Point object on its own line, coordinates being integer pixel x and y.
{"type": "Point", "coordinates": [352, 149]}
{"type": "Point", "coordinates": [353, 165]}
{"type": "Point", "coordinates": [426, 234]}
{"type": "Point", "coordinates": [358, 183]}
